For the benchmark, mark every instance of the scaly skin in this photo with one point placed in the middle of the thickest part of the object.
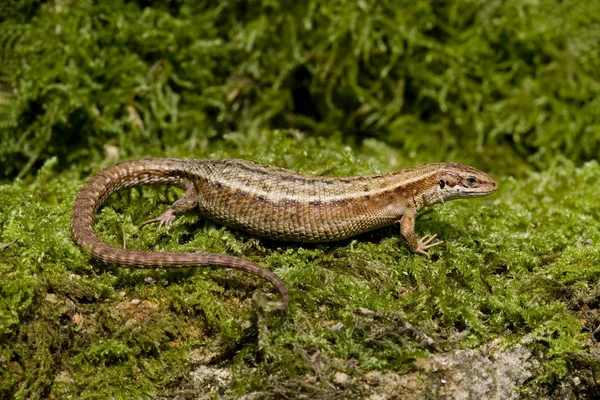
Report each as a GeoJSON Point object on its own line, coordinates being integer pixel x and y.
{"type": "Point", "coordinates": [274, 203]}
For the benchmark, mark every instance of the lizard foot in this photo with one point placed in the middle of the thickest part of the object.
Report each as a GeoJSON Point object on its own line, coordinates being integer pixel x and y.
{"type": "Point", "coordinates": [165, 219]}
{"type": "Point", "coordinates": [425, 243]}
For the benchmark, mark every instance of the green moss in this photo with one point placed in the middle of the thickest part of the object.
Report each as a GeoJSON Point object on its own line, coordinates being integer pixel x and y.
{"type": "Point", "coordinates": [478, 79]}
{"type": "Point", "coordinates": [520, 266]}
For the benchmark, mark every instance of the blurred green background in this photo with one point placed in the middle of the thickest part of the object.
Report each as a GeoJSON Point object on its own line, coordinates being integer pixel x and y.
{"type": "Point", "coordinates": [516, 81]}
{"type": "Point", "coordinates": [340, 87]}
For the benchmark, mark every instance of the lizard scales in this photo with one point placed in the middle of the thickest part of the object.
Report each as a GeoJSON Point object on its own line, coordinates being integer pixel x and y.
{"type": "Point", "coordinates": [274, 203]}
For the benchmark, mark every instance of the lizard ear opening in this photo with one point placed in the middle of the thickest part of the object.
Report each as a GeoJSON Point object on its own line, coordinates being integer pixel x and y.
{"type": "Point", "coordinates": [442, 183]}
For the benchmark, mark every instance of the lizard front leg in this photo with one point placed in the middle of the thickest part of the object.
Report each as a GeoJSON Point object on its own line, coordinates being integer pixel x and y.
{"type": "Point", "coordinates": [407, 233]}
{"type": "Point", "coordinates": [180, 206]}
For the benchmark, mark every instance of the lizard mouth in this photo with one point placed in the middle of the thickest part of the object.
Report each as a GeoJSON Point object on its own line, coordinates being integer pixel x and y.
{"type": "Point", "coordinates": [481, 190]}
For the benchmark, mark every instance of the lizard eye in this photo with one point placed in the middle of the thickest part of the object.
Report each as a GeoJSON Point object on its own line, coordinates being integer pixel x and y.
{"type": "Point", "coordinates": [442, 184]}
{"type": "Point", "coordinates": [471, 181]}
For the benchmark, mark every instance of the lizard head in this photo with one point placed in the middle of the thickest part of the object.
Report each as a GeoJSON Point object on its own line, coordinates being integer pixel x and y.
{"type": "Point", "coordinates": [458, 181]}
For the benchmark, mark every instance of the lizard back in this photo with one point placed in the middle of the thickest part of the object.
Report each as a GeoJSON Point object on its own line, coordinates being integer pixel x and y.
{"type": "Point", "coordinates": [285, 205]}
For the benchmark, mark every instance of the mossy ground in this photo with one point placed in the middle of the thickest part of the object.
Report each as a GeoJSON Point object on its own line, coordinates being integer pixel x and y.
{"type": "Point", "coordinates": [521, 266]}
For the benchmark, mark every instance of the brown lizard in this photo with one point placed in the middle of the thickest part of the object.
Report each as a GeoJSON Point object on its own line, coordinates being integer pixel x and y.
{"type": "Point", "coordinates": [274, 203]}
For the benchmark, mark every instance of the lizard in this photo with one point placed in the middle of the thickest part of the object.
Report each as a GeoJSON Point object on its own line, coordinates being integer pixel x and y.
{"type": "Point", "coordinates": [274, 203]}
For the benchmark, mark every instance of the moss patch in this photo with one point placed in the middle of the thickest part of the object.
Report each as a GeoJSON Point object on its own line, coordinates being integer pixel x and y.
{"type": "Point", "coordinates": [520, 266]}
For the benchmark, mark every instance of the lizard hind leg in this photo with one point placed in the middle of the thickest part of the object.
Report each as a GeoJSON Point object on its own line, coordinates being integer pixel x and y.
{"type": "Point", "coordinates": [165, 219]}
{"type": "Point", "coordinates": [180, 206]}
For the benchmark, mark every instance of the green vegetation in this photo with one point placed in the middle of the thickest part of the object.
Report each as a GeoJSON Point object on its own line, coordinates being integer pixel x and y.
{"type": "Point", "coordinates": [517, 76]}
{"type": "Point", "coordinates": [327, 88]}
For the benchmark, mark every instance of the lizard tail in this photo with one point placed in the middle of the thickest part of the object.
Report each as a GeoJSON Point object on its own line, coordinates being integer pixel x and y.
{"type": "Point", "coordinates": [135, 173]}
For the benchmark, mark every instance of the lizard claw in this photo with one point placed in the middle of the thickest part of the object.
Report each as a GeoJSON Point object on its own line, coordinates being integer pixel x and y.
{"type": "Point", "coordinates": [164, 220]}
{"type": "Point", "coordinates": [425, 243]}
